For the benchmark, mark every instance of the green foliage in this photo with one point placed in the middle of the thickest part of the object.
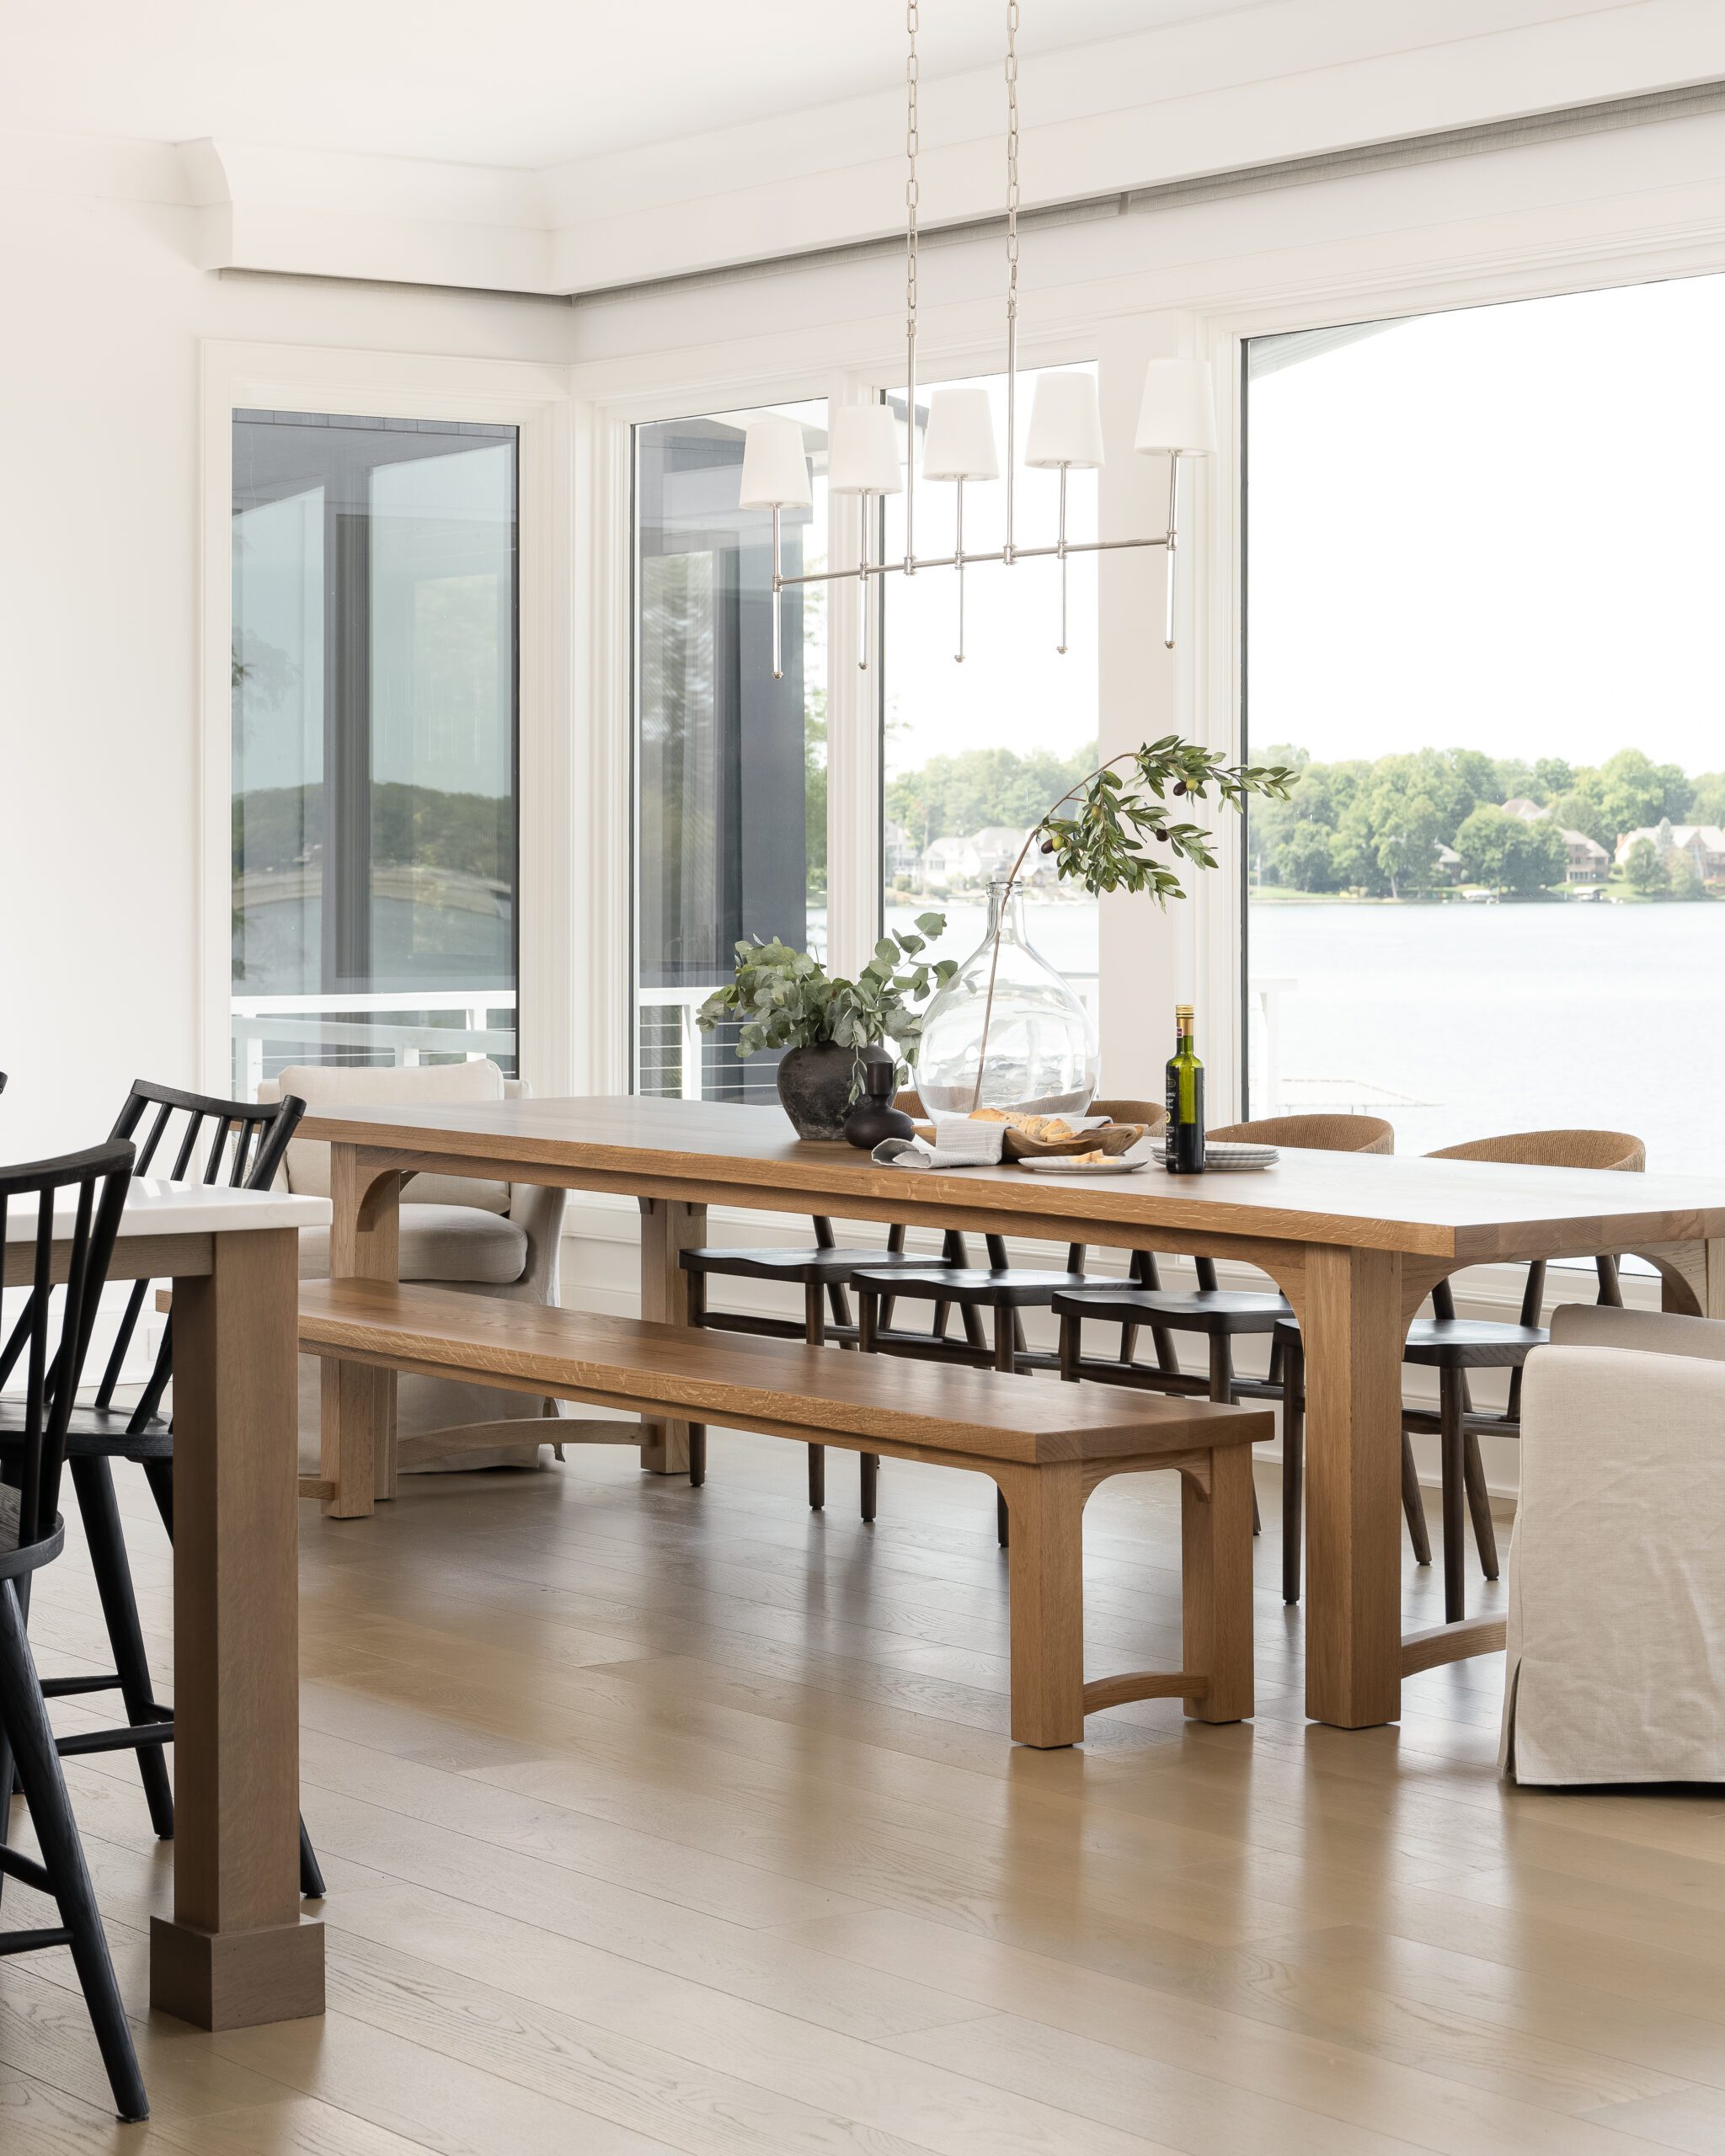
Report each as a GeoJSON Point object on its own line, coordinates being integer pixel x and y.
{"type": "Point", "coordinates": [1509, 854]}
{"type": "Point", "coordinates": [1682, 877]}
{"type": "Point", "coordinates": [467, 834]}
{"type": "Point", "coordinates": [1644, 869]}
{"type": "Point", "coordinates": [1103, 844]}
{"type": "Point", "coordinates": [950, 797]}
{"type": "Point", "coordinates": [786, 999]}
{"type": "Point", "coordinates": [1375, 827]}
{"type": "Point", "coordinates": [1708, 804]}
{"type": "Point", "coordinates": [1627, 791]}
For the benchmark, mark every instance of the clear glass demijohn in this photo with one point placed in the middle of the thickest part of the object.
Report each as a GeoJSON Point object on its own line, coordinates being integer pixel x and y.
{"type": "Point", "coordinates": [1031, 1038]}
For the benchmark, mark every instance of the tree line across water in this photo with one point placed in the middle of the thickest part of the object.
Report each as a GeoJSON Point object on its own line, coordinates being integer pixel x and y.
{"type": "Point", "coordinates": [1373, 828]}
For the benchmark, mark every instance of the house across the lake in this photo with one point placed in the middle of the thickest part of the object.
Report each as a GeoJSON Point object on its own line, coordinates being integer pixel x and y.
{"type": "Point", "coordinates": [1704, 844]}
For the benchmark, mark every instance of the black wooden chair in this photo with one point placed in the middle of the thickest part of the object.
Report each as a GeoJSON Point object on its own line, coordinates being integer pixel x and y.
{"type": "Point", "coordinates": [32, 1534]}
{"type": "Point", "coordinates": [823, 1270]}
{"type": "Point", "coordinates": [240, 1142]}
{"type": "Point", "coordinates": [1222, 1315]}
{"type": "Point", "coordinates": [1004, 1290]}
{"type": "Point", "coordinates": [1453, 1346]}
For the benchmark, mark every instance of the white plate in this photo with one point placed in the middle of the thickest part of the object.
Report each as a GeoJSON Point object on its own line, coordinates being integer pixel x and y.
{"type": "Point", "coordinates": [1123, 1164]}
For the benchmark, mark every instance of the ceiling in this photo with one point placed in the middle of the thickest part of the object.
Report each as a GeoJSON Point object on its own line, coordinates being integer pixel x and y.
{"type": "Point", "coordinates": [522, 84]}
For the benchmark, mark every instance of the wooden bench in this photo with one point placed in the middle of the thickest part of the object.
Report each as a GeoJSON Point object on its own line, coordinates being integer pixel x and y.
{"type": "Point", "coordinates": [1046, 1445]}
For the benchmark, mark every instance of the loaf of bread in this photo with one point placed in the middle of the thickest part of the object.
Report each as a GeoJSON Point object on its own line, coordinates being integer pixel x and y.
{"type": "Point", "coordinates": [1046, 1128]}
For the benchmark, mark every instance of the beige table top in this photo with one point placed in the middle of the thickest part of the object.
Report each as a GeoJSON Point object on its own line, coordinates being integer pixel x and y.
{"type": "Point", "coordinates": [1468, 1210]}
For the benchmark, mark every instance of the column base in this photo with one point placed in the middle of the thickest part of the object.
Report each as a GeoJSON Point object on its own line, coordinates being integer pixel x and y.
{"type": "Point", "coordinates": [237, 1979]}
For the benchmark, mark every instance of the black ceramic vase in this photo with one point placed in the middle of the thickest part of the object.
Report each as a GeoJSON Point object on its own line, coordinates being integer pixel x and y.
{"type": "Point", "coordinates": [874, 1117]}
{"type": "Point", "coordinates": [814, 1086]}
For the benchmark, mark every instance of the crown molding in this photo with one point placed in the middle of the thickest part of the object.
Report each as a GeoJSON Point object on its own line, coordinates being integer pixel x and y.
{"type": "Point", "coordinates": [1288, 79]}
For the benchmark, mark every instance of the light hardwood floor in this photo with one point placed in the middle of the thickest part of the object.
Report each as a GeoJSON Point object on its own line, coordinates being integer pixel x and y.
{"type": "Point", "coordinates": [657, 1819]}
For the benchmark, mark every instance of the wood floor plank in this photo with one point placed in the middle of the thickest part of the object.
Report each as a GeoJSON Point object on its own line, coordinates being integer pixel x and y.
{"type": "Point", "coordinates": [665, 1819]}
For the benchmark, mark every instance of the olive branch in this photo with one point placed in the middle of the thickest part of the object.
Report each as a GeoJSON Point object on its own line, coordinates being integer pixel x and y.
{"type": "Point", "coordinates": [1103, 842]}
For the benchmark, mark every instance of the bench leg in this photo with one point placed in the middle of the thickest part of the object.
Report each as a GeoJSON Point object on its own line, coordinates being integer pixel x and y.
{"type": "Point", "coordinates": [669, 1227]}
{"type": "Point", "coordinates": [1046, 1576]}
{"type": "Point", "coordinates": [1215, 1586]}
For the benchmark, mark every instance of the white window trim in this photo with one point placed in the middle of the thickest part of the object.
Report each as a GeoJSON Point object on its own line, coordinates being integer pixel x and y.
{"type": "Point", "coordinates": [552, 460]}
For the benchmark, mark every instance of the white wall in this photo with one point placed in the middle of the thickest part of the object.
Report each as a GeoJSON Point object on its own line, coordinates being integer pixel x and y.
{"type": "Point", "coordinates": [99, 358]}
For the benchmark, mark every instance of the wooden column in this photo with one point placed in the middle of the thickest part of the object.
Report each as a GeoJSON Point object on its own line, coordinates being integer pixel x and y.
{"type": "Point", "coordinates": [1351, 1318]}
{"type": "Point", "coordinates": [357, 1448]}
{"type": "Point", "coordinates": [1045, 1509]}
{"type": "Point", "coordinates": [236, 1951]}
{"type": "Point", "coordinates": [668, 1226]}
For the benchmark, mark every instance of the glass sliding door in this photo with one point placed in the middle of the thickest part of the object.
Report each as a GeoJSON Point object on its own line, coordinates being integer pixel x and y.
{"type": "Point", "coordinates": [730, 765]}
{"type": "Point", "coordinates": [374, 744]}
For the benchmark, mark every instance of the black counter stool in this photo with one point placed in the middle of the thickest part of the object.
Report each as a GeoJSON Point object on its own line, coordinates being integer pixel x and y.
{"type": "Point", "coordinates": [98, 1434]}
{"type": "Point", "coordinates": [32, 1534]}
{"type": "Point", "coordinates": [1453, 1346]}
{"type": "Point", "coordinates": [1222, 1315]}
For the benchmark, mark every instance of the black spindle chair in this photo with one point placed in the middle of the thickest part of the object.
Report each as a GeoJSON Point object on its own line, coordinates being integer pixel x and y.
{"type": "Point", "coordinates": [1453, 1346]}
{"type": "Point", "coordinates": [823, 1270]}
{"type": "Point", "coordinates": [32, 1534]}
{"type": "Point", "coordinates": [189, 1136]}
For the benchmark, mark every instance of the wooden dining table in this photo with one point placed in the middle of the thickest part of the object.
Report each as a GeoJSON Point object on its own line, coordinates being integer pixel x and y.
{"type": "Point", "coordinates": [236, 1951]}
{"type": "Point", "coordinates": [1355, 1241]}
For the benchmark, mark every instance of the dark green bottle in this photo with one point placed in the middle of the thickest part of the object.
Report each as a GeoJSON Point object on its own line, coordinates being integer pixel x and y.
{"type": "Point", "coordinates": [1185, 1132]}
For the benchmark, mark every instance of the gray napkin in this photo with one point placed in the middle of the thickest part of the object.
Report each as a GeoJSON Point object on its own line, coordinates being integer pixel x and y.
{"type": "Point", "coordinates": [959, 1142]}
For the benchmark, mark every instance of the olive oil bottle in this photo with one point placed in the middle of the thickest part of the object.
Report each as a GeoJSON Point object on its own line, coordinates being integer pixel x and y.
{"type": "Point", "coordinates": [1184, 1135]}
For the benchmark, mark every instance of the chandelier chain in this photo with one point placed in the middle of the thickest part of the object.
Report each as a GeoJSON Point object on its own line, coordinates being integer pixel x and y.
{"type": "Point", "coordinates": [912, 145]}
{"type": "Point", "coordinates": [1012, 157]}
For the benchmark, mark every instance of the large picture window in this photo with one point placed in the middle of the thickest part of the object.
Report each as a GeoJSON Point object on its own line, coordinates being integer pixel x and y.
{"type": "Point", "coordinates": [1484, 559]}
{"type": "Point", "coordinates": [374, 741]}
{"type": "Point", "coordinates": [973, 753]}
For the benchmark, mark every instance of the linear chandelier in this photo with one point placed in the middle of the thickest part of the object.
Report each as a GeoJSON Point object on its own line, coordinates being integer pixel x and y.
{"type": "Point", "coordinates": [1177, 418]}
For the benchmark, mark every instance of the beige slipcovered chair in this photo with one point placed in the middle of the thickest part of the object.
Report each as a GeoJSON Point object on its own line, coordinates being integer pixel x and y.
{"type": "Point", "coordinates": [1616, 1667]}
{"type": "Point", "coordinates": [491, 1238]}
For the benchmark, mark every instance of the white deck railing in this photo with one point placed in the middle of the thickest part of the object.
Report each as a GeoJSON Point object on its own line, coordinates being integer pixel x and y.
{"type": "Point", "coordinates": [296, 1023]}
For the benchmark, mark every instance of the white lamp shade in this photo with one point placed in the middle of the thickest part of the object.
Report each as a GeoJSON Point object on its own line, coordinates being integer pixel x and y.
{"type": "Point", "coordinates": [775, 466]}
{"type": "Point", "coordinates": [862, 451]}
{"type": "Point", "coordinates": [1179, 409]}
{"type": "Point", "coordinates": [960, 444]}
{"type": "Point", "coordinates": [1066, 422]}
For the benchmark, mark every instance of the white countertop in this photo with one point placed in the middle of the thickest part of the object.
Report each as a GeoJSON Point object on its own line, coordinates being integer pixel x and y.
{"type": "Point", "coordinates": [156, 1207]}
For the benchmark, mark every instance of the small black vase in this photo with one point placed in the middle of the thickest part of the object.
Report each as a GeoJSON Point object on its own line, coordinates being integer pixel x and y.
{"type": "Point", "coordinates": [874, 1117]}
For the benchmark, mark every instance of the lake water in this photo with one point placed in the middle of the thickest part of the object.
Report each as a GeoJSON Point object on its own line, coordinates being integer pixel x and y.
{"type": "Point", "coordinates": [1466, 1020]}
{"type": "Point", "coordinates": [1459, 1021]}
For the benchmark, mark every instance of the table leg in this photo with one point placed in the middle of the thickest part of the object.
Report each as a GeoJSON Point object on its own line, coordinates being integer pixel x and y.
{"type": "Point", "coordinates": [236, 1951]}
{"type": "Point", "coordinates": [1692, 1277]}
{"type": "Point", "coordinates": [668, 1227]}
{"type": "Point", "coordinates": [1353, 1325]}
{"type": "Point", "coordinates": [357, 1451]}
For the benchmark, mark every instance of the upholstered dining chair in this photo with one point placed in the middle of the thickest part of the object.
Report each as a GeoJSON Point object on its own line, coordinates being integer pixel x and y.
{"type": "Point", "coordinates": [498, 1239]}
{"type": "Point", "coordinates": [1221, 1316]}
{"type": "Point", "coordinates": [1453, 1346]}
{"type": "Point", "coordinates": [1616, 1602]}
{"type": "Point", "coordinates": [185, 1137]}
